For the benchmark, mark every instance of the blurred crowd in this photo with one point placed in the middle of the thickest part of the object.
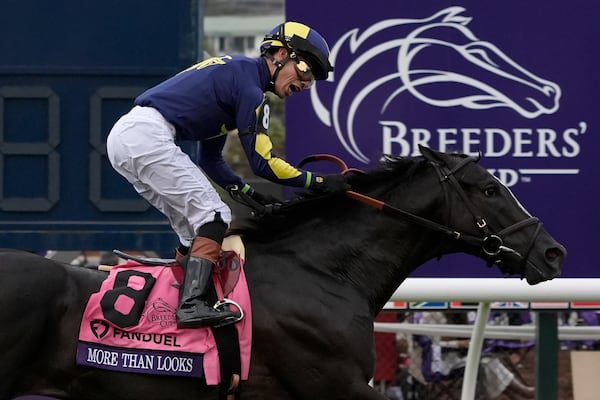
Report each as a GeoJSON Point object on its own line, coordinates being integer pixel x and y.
{"type": "Point", "coordinates": [420, 367]}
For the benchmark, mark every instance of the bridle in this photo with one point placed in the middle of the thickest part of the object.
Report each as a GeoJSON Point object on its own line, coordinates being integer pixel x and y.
{"type": "Point", "coordinates": [492, 244]}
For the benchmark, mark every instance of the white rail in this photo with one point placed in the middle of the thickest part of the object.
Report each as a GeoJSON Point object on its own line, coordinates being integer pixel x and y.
{"type": "Point", "coordinates": [497, 289]}
{"type": "Point", "coordinates": [491, 332]}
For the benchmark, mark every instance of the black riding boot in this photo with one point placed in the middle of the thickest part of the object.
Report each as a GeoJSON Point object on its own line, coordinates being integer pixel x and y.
{"type": "Point", "coordinates": [194, 311]}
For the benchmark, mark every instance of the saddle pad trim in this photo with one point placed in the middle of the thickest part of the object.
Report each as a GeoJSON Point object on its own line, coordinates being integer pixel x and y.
{"type": "Point", "coordinates": [141, 361]}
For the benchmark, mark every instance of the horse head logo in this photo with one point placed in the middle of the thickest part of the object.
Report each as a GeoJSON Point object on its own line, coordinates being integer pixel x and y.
{"type": "Point", "coordinates": [437, 60]}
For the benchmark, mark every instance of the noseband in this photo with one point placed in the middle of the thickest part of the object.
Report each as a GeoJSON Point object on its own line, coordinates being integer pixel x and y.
{"type": "Point", "coordinates": [492, 244]}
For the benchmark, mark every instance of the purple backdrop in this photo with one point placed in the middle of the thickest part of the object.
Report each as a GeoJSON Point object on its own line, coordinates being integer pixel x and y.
{"type": "Point", "coordinates": [515, 80]}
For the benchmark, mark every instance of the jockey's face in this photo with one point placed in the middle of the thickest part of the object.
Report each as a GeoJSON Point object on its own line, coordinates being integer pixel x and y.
{"type": "Point", "coordinates": [294, 76]}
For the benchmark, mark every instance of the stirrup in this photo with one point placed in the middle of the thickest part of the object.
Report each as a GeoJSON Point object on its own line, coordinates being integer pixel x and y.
{"type": "Point", "coordinates": [228, 321]}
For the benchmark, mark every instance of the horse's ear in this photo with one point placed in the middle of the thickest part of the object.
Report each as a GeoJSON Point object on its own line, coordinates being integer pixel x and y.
{"type": "Point", "coordinates": [430, 154]}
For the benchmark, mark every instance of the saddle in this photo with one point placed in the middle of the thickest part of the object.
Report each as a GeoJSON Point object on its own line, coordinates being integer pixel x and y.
{"type": "Point", "coordinates": [225, 274]}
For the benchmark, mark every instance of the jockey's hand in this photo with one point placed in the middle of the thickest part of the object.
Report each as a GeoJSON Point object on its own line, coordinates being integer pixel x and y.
{"type": "Point", "coordinates": [330, 184]}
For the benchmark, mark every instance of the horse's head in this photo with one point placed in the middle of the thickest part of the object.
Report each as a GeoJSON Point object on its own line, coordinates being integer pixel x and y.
{"type": "Point", "coordinates": [491, 222]}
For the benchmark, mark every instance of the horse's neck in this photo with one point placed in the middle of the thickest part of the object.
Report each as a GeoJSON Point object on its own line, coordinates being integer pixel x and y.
{"type": "Point", "coordinates": [359, 246]}
{"type": "Point", "coordinates": [372, 251]}
{"type": "Point", "coordinates": [385, 249]}
{"type": "Point", "coordinates": [387, 258]}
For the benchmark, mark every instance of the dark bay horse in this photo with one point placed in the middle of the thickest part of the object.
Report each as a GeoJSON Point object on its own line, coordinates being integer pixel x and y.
{"type": "Point", "coordinates": [318, 271]}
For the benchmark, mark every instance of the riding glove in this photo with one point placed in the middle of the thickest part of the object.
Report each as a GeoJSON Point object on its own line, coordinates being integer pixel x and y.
{"type": "Point", "coordinates": [330, 184]}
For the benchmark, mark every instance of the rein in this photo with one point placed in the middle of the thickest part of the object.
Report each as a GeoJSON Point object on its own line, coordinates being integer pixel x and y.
{"type": "Point", "coordinates": [491, 244]}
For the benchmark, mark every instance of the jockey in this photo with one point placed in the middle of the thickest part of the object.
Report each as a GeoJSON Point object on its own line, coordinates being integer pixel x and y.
{"type": "Point", "coordinates": [203, 103]}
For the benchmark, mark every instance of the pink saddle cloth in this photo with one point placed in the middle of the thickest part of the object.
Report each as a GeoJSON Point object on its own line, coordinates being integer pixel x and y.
{"type": "Point", "coordinates": [129, 325]}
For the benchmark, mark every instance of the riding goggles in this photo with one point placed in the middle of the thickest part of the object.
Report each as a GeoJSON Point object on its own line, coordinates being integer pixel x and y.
{"type": "Point", "coordinates": [304, 72]}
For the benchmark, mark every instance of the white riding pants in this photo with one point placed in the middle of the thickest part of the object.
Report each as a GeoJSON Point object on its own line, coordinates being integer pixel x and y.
{"type": "Point", "coordinates": [141, 147]}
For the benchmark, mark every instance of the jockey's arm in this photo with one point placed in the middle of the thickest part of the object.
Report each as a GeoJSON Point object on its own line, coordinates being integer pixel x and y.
{"type": "Point", "coordinates": [258, 147]}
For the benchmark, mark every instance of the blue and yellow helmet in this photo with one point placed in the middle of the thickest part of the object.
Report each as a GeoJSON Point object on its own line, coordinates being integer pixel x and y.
{"type": "Point", "coordinates": [303, 41]}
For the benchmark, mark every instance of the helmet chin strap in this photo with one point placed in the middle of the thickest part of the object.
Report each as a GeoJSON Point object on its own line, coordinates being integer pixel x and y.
{"type": "Point", "coordinates": [278, 66]}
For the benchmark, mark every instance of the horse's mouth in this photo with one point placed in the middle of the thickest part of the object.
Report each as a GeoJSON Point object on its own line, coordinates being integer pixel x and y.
{"type": "Point", "coordinates": [548, 269]}
{"type": "Point", "coordinates": [533, 276]}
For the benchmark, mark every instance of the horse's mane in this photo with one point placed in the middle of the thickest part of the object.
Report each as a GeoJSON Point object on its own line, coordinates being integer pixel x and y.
{"type": "Point", "coordinates": [391, 172]}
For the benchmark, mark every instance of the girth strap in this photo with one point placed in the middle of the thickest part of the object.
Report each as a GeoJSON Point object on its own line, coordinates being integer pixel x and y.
{"type": "Point", "coordinates": [230, 364]}
{"type": "Point", "coordinates": [228, 346]}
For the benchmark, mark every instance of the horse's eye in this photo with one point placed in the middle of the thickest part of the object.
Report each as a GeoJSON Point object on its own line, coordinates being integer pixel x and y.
{"type": "Point", "coordinates": [489, 191]}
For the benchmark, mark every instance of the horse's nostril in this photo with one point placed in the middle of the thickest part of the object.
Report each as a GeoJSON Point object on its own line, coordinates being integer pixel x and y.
{"type": "Point", "coordinates": [553, 253]}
